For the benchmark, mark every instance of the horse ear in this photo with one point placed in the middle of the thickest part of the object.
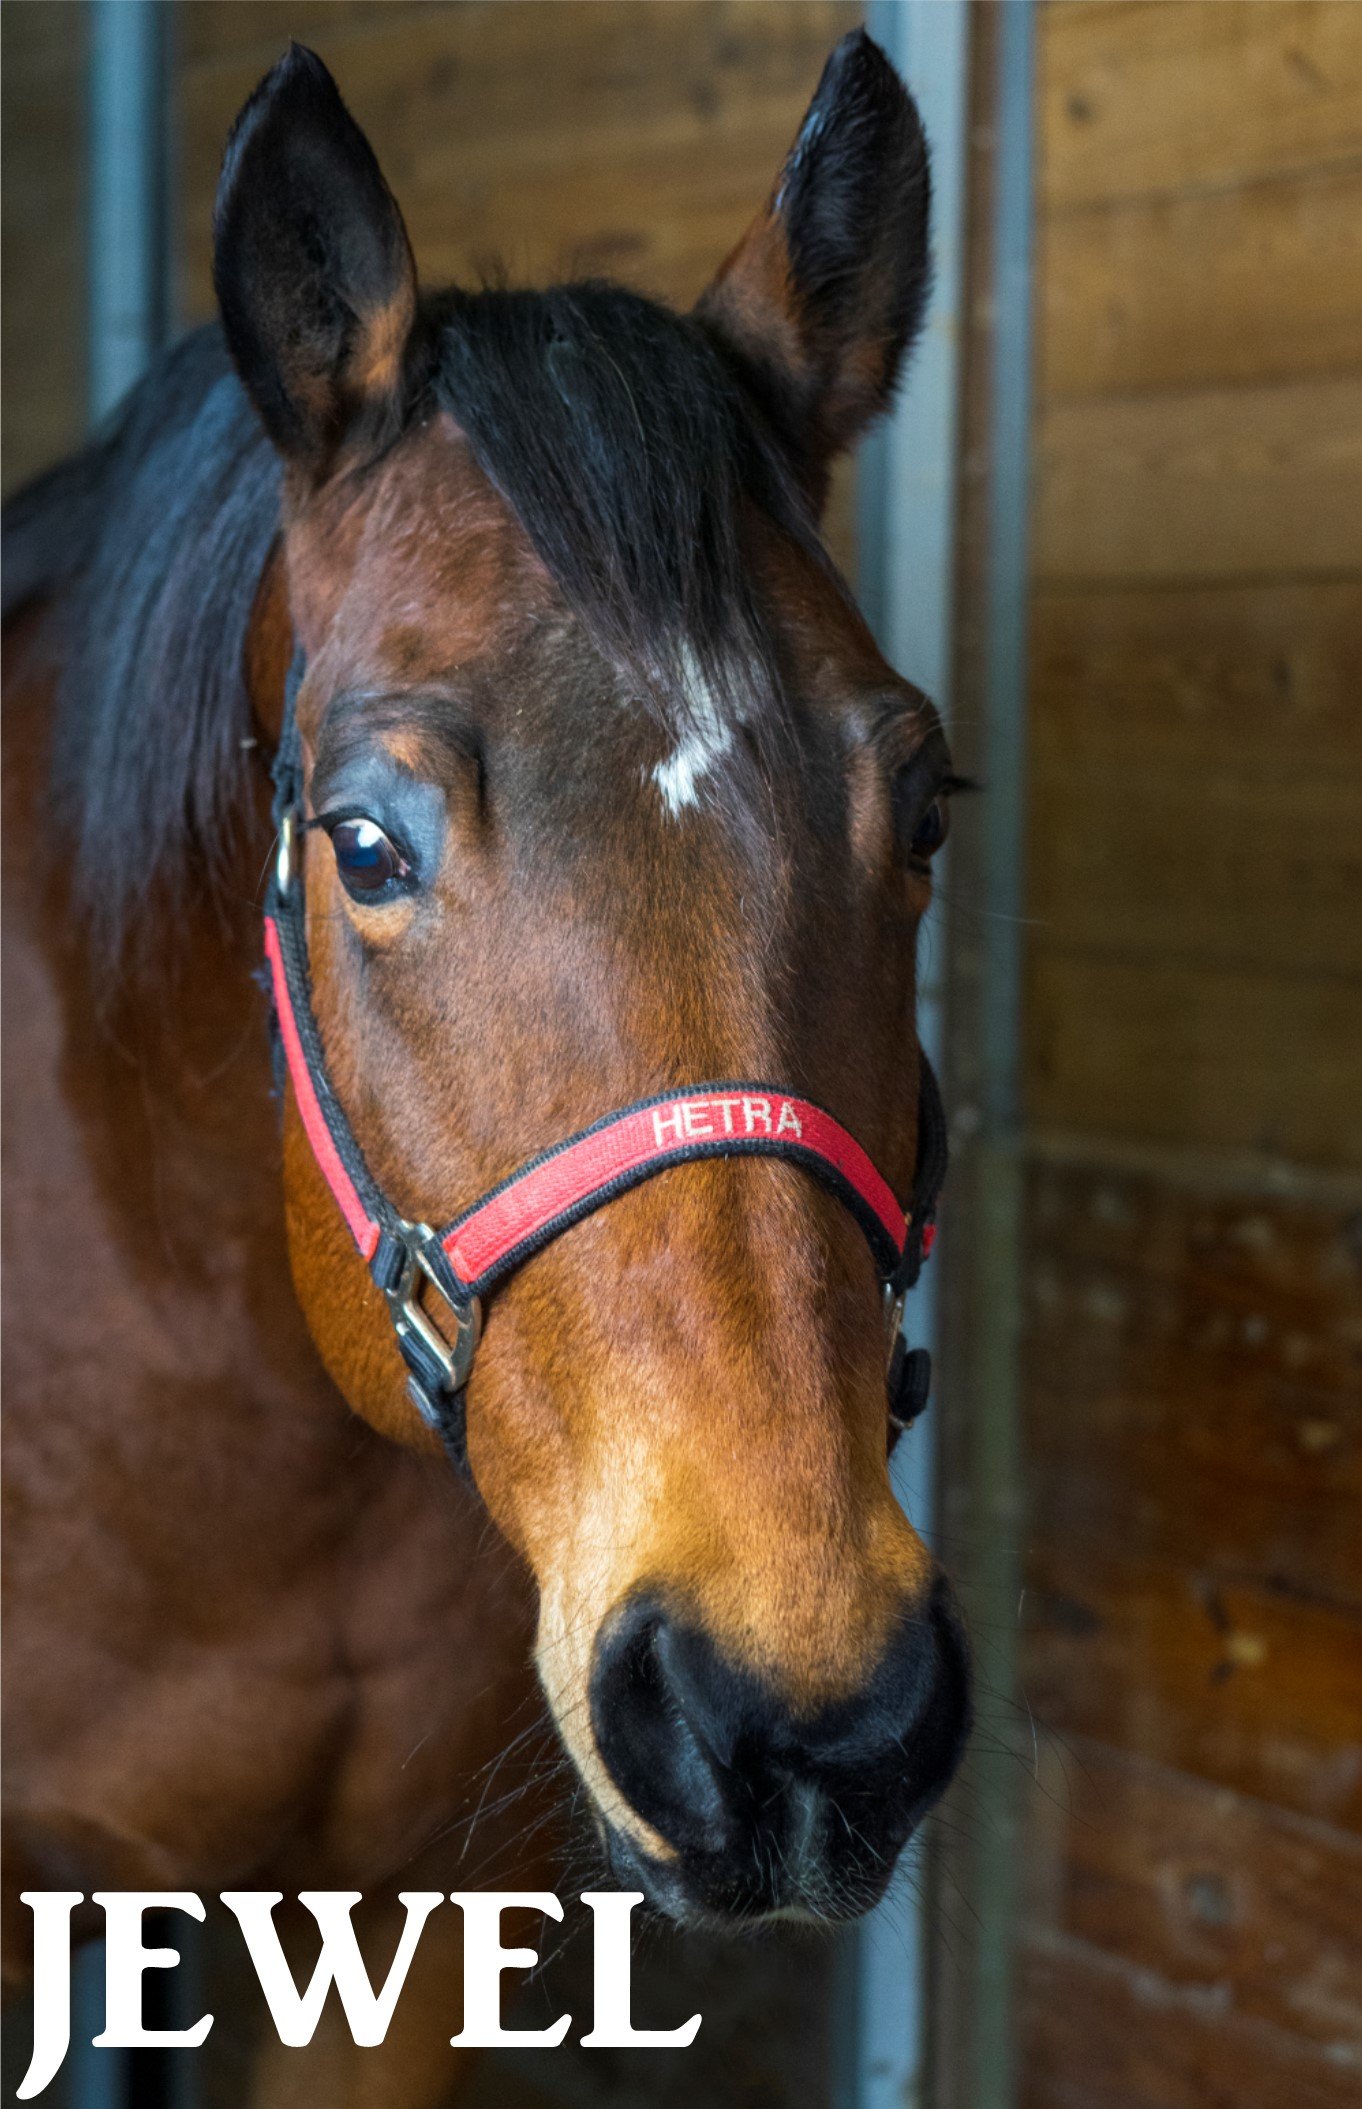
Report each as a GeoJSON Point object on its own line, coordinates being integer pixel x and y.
{"type": "Point", "coordinates": [826, 290]}
{"type": "Point", "coordinates": [312, 267]}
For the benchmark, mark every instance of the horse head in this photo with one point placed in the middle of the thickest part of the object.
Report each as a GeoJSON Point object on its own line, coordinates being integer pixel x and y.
{"type": "Point", "coordinates": [608, 793]}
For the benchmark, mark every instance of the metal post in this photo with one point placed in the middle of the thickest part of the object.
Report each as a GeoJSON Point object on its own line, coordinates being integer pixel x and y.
{"type": "Point", "coordinates": [907, 517]}
{"type": "Point", "coordinates": [127, 277]}
{"type": "Point", "coordinates": [995, 1441]}
{"type": "Point", "coordinates": [1008, 567]}
{"type": "Point", "coordinates": [127, 191]}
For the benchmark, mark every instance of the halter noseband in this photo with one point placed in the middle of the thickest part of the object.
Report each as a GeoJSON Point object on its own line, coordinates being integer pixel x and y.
{"type": "Point", "coordinates": [475, 1252]}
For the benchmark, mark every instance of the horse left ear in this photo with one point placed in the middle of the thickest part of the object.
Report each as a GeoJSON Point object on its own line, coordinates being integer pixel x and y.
{"type": "Point", "coordinates": [826, 290]}
{"type": "Point", "coordinates": [312, 268]}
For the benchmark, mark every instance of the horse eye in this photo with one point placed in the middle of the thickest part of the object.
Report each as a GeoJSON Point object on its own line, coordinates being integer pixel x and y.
{"type": "Point", "coordinates": [930, 832]}
{"type": "Point", "coordinates": [367, 862]}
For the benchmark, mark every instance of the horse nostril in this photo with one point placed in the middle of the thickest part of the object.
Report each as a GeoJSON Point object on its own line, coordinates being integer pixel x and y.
{"type": "Point", "coordinates": [895, 1747]}
{"type": "Point", "coordinates": [763, 1806]}
{"type": "Point", "coordinates": [648, 1718]}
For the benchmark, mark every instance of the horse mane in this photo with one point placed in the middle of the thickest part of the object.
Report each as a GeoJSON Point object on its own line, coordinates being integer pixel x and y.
{"type": "Point", "coordinates": [149, 546]}
{"type": "Point", "coordinates": [614, 428]}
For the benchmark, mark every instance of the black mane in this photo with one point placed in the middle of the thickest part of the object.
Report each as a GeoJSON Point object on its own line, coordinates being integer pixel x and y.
{"type": "Point", "coordinates": [624, 443]}
{"type": "Point", "coordinates": [151, 544]}
{"type": "Point", "coordinates": [628, 449]}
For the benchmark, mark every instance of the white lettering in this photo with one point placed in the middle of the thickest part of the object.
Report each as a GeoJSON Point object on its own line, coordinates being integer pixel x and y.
{"type": "Point", "coordinates": [611, 2028]}
{"type": "Point", "coordinates": [696, 1118]}
{"type": "Point", "coordinates": [726, 1106]}
{"type": "Point", "coordinates": [125, 1959]}
{"type": "Point", "coordinates": [672, 1119]}
{"type": "Point", "coordinates": [296, 2015]}
{"type": "Point", "coordinates": [51, 1910]}
{"type": "Point", "coordinates": [757, 1111]}
{"type": "Point", "coordinates": [484, 1959]}
{"type": "Point", "coordinates": [340, 1963]}
{"type": "Point", "coordinates": [788, 1123]}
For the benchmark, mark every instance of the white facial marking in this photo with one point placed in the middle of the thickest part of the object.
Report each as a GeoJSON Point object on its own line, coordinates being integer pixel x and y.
{"type": "Point", "coordinates": [706, 741]}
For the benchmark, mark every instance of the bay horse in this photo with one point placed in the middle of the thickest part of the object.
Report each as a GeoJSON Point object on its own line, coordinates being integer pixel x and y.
{"type": "Point", "coordinates": [603, 791]}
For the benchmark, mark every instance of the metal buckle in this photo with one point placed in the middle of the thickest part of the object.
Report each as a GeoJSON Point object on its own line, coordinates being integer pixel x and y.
{"type": "Point", "coordinates": [286, 856]}
{"type": "Point", "coordinates": [453, 1359]}
{"type": "Point", "coordinates": [894, 1303]}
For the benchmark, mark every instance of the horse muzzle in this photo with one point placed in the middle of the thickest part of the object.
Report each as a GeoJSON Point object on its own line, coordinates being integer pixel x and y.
{"type": "Point", "coordinates": [763, 1810]}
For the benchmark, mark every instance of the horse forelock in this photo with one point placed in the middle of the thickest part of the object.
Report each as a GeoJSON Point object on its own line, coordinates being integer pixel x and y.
{"type": "Point", "coordinates": [636, 464]}
{"type": "Point", "coordinates": [615, 430]}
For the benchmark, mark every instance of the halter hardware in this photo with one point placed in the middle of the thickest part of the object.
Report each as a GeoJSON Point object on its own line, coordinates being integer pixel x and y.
{"type": "Point", "coordinates": [286, 855]}
{"type": "Point", "coordinates": [895, 1300]}
{"type": "Point", "coordinates": [437, 1367]}
{"type": "Point", "coordinates": [461, 1264]}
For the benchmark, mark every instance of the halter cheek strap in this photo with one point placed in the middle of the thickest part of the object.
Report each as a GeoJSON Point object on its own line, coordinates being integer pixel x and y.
{"type": "Point", "coordinates": [460, 1265]}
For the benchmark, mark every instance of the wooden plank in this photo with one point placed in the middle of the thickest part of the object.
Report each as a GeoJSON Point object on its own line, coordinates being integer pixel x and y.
{"type": "Point", "coordinates": [1135, 100]}
{"type": "Point", "coordinates": [554, 137]}
{"type": "Point", "coordinates": [1196, 774]}
{"type": "Point", "coordinates": [1218, 870]}
{"type": "Point", "coordinates": [660, 216]}
{"type": "Point", "coordinates": [1262, 283]}
{"type": "Point", "coordinates": [1258, 684]}
{"type": "Point", "coordinates": [1095, 2035]}
{"type": "Point", "coordinates": [1253, 1911]}
{"type": "Point", "coordinates": [1195, 1377]}
{"type": "Point", "coordinates": [1258, 1691]}
{"type": "Point", "coordinates": [1194, 983]}
{"type": "Point", "coordinates": [42, 36]}
{"type": "Point", "coordinates": [1220, 484]}
{"type": "Point", "coordinates": [211, 31]}
{"type": "Point", "coordinates": [1260, 875]}
{"type": "Point", "coordinates": [42, 262]}
{"type": "Point", "coordinates": [1211, 1057]}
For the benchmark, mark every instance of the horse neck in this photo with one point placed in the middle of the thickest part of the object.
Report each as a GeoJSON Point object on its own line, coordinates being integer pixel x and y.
{"type": "Point", "coordinates": [164, 1072]}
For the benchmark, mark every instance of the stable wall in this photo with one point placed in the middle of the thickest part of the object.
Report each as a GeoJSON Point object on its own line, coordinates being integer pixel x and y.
{"type": "Point", "coordinates": [1192, 1624]}
{"type": "Point", "coordinates": [44, 48]}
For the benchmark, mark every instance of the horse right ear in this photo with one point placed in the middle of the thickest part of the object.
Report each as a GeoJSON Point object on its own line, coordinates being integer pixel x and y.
{"type": "Point", "coordinates": [825, 293]}
{"type": "Point", "coordinates": [312, 268]}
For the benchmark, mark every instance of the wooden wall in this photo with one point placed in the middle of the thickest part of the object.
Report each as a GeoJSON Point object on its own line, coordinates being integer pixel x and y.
{"type": "Point", "coordinates": [1192, 1636]}
{"type": "Point", "coordinates": [551, 135]}
{"type": "Point", "coordinates": [42, 231]}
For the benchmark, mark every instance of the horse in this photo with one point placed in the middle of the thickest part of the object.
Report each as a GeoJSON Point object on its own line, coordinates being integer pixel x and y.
{"type": "Point", "coordinates": [600, 796]}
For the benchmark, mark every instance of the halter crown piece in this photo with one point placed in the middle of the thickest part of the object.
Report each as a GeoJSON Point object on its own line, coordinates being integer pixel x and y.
{"type": "Point", "coordinates": [458, 1267]}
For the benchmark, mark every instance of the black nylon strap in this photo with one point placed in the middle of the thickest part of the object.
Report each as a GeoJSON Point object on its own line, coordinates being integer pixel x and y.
{"type": "Point", "coordinates": [286, 907]}
{"type": "Point", "coordinates": [442, 1407]}
{"type": "Point", "coordinates": [884, 1248]}
{"type": "Point", "coordinates": [933, 1149]}
{"type": "Point", "coordinates": [286, 770]}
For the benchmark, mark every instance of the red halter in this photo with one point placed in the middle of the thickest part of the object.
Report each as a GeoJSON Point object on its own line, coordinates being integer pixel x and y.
{"type": "Point", "coordinates": [475, 1252]}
